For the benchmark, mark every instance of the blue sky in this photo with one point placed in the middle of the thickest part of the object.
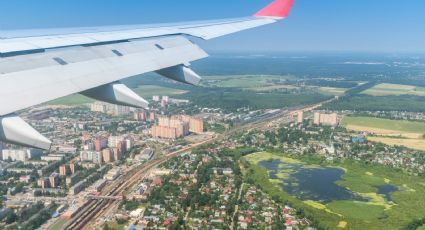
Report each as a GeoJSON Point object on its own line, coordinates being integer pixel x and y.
{"type": "Point", "coordinates": [392, 26]}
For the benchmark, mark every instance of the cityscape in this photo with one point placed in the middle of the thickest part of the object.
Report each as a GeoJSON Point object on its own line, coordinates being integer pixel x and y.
{"type": "Point", "coordinates": [116, 167]}
{"type": "Point", "coordinates": [313, 122]}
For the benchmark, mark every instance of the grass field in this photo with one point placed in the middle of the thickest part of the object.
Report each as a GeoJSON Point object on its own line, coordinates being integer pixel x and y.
{"type": "Point", "coordinates": [390, 132]}
{"type": "Point", "coordinates": [386, 124]}
{"type": "Point", "coordinates": [147, 91]}
{"type": "Point", "coordinates": [252, 82]}
{"type": "Point", "coordinates": [332, 91]}
{"type": "Point", "coordinates": [58, 225]}
{"type": "Point", "coordinates": [376, 213]}
{"type": "Point", "coordinates": [115, 226]}
{"type": "Point", "coordinates": [75, 99]}
{"type": "Point", "coordinates": [418, 144]}
{"type": "Point", "coordinates": [356, 209]}
{"type": "Point", "coordinates": [394, 89]}
{"type": "Point", "coordinates": [273, 88]}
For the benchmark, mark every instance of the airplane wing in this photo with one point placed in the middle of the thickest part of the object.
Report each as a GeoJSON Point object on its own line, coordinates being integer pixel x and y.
{"type": "Point", "coordinates": [41, 65]}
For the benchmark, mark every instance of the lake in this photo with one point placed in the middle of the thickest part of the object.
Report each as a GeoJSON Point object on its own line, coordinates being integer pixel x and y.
{"type": "Point", "coordinates": [310, 183]}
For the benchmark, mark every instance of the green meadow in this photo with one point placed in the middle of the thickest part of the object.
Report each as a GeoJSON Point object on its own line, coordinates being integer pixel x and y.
{"type": "Point", "coordinates": [386, 124]}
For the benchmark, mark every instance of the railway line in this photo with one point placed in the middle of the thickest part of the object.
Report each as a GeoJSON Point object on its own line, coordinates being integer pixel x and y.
{"type": "Point", "coordinates": [95, 208]}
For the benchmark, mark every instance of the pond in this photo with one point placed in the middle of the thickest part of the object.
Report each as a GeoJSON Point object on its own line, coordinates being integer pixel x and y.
{"type": "Point", "coordinates": [386, 191]}
{"type": "Point", "coordinates": [310, 183]}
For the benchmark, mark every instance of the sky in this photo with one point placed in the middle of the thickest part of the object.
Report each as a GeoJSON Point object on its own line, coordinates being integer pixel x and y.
{"type": "Point", "coordinates": [390, 26]}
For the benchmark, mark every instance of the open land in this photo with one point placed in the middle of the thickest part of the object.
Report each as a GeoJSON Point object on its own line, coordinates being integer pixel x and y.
{"type": "Point", "coordinates": [385, 89]}
{"type": "Point", "coordinates": [332, 91]}
{"type": "Point", "coordinates": [391, 132]}
{"type": "Point", "coordinates": [244, 81]}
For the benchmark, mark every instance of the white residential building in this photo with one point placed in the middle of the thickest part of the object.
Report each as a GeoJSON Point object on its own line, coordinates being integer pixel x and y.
{"type": "Point", "coordinates": [19, 154]}
{"type": "Point", "coordinates": [91, 156]}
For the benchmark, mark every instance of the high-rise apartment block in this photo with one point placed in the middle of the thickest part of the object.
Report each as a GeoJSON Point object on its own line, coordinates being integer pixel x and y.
{"type": "Point", "coordinates": [107, 155]}
{"type": "Point", "coordinates": [177, 126]}
{"type": "Point", "coordinates": [165, 132]}
{"type": "Point", "coordinates": [300, 117]}
{"type": "Point", "coordinates": [196, 125]}
{"type": "Point", "coordinates": [114, 141]}
{"type": "Point", "coordinates": [139, 116]}
{"type": "Point", "coordinates": [19, 154]}
{"type": "Point", "coordinates": [54, 180]}
{"type": "Point", "coordinates": [111, 155]}
{"type": "Point", "coordinates": [100, 143]}
{"type": "Point", "coordinates": [65, 170]}
{"type": "Point", "coordinates": [116, 110]}
{"type": "Point", "coordinates": [163, 103]}
{"type": "Point", "coordinates": [152, 116]}
{"type": "Point", "coordinates": [43, 183]}
{"type": "Point", "coordinates": [325, 119]}
{"type": "Point", "coordinates": [91, 156]}
{"type": "Point", "coordinates": [98, 107]}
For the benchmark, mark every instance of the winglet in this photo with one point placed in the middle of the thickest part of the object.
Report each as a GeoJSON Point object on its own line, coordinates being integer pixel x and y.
{"type": "Point", "coordinates": [276, 9]}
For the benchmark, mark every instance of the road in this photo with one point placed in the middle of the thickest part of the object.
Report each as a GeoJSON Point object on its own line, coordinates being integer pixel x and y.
{"type": "Point", "coordinates": [237, 206]}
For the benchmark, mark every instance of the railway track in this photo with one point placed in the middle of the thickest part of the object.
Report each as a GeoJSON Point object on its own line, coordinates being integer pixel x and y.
{"type": "Point", "coordinates": [95, 208]}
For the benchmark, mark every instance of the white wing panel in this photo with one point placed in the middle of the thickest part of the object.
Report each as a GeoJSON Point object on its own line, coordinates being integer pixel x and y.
{"type": "Point", "coordinates": [48, 80]}
{"type": "Point", "coordinates": [205, 30]}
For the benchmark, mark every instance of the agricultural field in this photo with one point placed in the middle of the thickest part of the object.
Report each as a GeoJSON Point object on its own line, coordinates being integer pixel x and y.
{"type": "Point", "coordinates": [147, 91]}
{"type": "Point", "coordinates": [254, 82]}
{"type": "Point", "coordinates": [273, 88]}
{"type": "Point", "coordinates": [417, 144]}
{"type": "Point", "coordinates": [395, 89]}
{"type": "Point", "coordinates": [391, 132]}
{"type": "Point", "coordinates": [332, 91]}
{"type": "Point", "coordinates": [372, 211]}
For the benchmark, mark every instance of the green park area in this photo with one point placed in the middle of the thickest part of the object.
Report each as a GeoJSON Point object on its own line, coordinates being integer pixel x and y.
{"type": "Point", "coordinates": [368, 210]}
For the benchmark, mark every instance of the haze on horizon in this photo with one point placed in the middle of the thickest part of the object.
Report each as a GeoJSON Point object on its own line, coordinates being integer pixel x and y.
{"type": "Point", "coordinates": [389, 26]}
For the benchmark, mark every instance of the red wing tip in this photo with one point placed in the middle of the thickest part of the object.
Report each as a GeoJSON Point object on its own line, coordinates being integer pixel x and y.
{"type": "Point", "coordinates": [278, 9]}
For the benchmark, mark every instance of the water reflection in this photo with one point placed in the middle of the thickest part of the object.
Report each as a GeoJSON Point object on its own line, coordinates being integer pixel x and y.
{"type": "Point", "coordinates": [386, 191]}
{"type": "Point", "coordinates": [307, 183]}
